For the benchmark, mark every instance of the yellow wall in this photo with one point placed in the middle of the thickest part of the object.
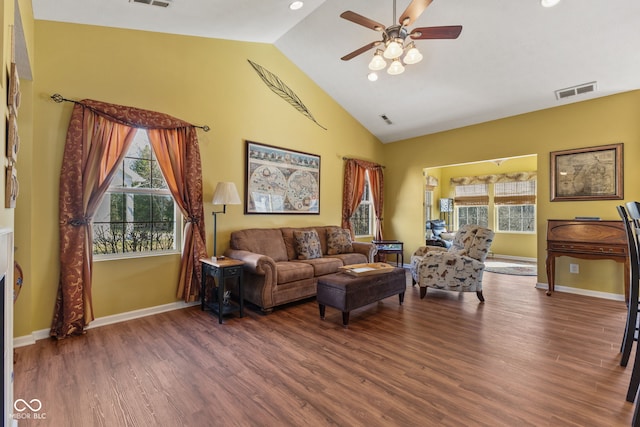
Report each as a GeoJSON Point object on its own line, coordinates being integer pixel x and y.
{"type": "Point", "coordinates": [210, 82]}
{"type": "Point", "coordinates": [200, 80]}
{"type": "Point", "coordinates": [600, 121]}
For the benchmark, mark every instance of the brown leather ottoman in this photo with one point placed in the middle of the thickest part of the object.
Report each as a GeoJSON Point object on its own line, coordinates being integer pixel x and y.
{"type": "Point", "coordinates": [346, 293]}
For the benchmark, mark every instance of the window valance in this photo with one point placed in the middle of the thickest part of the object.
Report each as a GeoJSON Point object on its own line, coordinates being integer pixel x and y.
{"type": "Point", "coordinates": [492, 179]}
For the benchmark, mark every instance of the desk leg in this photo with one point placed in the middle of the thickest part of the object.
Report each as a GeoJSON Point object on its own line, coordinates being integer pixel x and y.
{"type": "Point", "coordinates": [551, 273]}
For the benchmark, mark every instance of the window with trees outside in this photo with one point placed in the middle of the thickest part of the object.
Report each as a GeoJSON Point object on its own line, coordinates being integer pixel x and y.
{"type": "Point", "coordinates": [515, 206]}
{"type": "Point", "coordinates": [362, 219]}
{"type": "Point", "coordinates": [472, 204]}
{"type": "Point", "coordinates": [137, 215]}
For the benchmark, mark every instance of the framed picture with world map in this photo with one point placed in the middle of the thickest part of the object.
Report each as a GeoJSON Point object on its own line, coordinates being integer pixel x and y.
{"type": "Point", "coordinates": [281, 181]}
{"type": "Point", "coordinates": [592, 173]}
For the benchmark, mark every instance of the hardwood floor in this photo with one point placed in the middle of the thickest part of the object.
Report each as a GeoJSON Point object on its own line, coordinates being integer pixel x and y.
{"type": "Point", "coordinates": [520, 359]}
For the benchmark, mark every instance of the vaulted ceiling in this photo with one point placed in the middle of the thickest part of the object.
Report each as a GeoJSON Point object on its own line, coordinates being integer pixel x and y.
{"type": "Point", "coordinates": [511, 57]}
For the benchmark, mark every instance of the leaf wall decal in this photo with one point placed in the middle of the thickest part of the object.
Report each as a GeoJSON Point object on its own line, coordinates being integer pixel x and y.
{"type": "Point", "coordinates": [274, 83]}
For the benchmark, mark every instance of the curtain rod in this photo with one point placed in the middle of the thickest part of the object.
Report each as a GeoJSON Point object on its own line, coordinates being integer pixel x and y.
{"type": "Point", "coordinates": [352, 158]}
{"type": "Point", "coordinates": [59, 98]}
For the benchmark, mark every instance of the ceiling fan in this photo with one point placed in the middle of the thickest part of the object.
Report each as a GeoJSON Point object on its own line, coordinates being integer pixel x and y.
{"type": "Point", "coordinates": [394, 37]}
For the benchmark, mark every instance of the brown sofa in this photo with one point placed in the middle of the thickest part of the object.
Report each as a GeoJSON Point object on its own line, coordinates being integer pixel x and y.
{"type": "Point", "coordinates": [274, 274]}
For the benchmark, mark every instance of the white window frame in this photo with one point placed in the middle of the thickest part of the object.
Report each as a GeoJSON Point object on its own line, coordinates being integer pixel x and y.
{"type": "Point", "coordinates": [119, 189]}
{"type": "Point", "coordinates": [367, 202]}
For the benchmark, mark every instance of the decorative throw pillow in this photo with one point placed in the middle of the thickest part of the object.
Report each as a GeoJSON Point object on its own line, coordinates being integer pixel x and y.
{"type": "Point", "coordinates": [307, 244]}
{"type": "Point", "coordinates": [338, 241]}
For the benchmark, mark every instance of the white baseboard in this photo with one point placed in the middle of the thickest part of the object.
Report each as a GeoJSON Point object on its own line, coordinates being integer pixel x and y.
{"type": "Point", "coordinates": [513, 258]}
{"type": "Point", "coordinates": [585, 292]}
{"type": "Point", "coordinates": [107, 320]}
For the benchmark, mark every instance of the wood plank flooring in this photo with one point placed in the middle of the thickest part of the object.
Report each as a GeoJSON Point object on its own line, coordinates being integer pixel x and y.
{"type": "Point", "coordinates": [520, 359]}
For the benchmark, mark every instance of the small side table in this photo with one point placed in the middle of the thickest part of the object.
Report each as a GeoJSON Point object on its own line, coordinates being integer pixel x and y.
{"type": "Point", "coordinates": [391, 247]}
{"type": "Point", "coordinates": [221, 270]}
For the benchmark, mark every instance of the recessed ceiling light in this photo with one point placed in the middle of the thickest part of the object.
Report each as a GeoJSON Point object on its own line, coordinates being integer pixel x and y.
{"type": "Point", "coordinates": [549, 3]}
{"type": "Point", "coordinates": [296, 5]}
{"type": "Point", "coordinates": [372, 77]}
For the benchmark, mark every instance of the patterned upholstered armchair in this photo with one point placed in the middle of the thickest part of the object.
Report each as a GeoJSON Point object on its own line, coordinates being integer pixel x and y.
{"type": "Point", "coordinates": [458, 268]}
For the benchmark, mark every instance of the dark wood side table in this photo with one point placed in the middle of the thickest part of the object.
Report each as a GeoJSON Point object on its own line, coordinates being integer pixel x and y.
{"type": "Point", "coordinates": [587, 240]}
{"type": "Point", "coordinates": [221, 270]}
{"type": "Point", "coordinates": [391, 247]}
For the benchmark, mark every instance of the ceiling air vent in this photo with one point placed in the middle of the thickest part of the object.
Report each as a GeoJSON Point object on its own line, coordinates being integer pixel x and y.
{"type": "Point", "coordinates": [386, 119]}
{"type": "Point", "coordinates": [160, 3]}
{"type": "Point", "coordinates": [576, 90]}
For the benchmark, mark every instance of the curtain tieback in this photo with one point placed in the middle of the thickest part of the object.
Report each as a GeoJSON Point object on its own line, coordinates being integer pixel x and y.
{"type": "Point", "coordinates": [76, 222]}
{"type": "Point", "coordinates": [194, 219]}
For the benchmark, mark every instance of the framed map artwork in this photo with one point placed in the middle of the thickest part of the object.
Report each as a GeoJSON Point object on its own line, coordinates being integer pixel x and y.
{"type": "Point", "coordinates": [592, 173]}
{"type": "Point", "coordinates": [281, 181]}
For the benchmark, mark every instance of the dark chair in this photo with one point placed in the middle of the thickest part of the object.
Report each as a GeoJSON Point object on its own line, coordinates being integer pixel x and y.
{"type": "Point", "coordinates": [633, 210]}
{"type": "Point", "coordinates": [437, 228]}
{"type": "Point", "coordinates": [631, 325]}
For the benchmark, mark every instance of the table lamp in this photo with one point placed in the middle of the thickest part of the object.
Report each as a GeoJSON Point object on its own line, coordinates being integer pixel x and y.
{"type": "Point", "coordinates": [225, 194]}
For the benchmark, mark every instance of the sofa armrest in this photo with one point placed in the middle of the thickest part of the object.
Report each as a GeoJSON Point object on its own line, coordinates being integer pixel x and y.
{"type": "Point", "coordinates": [367, 249]}
{"type": "Point", "coordinates": [255, 263]}
{"type": "Point", "coordinates": [422, 250]}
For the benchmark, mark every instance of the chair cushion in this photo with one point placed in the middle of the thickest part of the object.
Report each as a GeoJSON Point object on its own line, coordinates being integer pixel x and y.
{"type": "Point", "coordinates": [307, 244]}
{"type": "Point", "coordinates": [338, 241]}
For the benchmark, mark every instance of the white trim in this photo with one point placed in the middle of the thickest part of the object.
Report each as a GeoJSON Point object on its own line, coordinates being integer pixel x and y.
{"type": "Point", "coordinates": [107, 320]}
{"type": "Point", "coordinates": [584, 292]}
{"type": "Point", "coordinates": [513, 258]}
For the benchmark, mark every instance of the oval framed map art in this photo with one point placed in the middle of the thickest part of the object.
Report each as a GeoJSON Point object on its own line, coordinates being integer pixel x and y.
{"type": "Point", "coordinates": [281, 181]}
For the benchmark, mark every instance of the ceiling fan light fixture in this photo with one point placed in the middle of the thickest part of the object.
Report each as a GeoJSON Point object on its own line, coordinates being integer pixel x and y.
{"type": "Point", "coordinates": [393, 50]}
{"type": "Point", "coordinates": [413, 55]}
{"type": "Point", "coordinates": [377, 62]}
{"type": "Point", "coordinates": [396, 67]}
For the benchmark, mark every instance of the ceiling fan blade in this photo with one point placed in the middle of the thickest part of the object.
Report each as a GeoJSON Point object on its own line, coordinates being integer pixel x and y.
{"type": "Point", "coordinates": [357, 52]}
{"type": "Point", "coordinates": [413, 11]}
{"type": "Point", "coordinates": [361, 20]}
{"type": "Point", "coordinates": [446, 32]}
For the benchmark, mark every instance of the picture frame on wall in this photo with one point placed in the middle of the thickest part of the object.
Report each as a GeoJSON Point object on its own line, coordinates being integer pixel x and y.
{"type": "Point", "coordinates": [281, 181]}
{"type": "Point", "coordinates": [591, 173]}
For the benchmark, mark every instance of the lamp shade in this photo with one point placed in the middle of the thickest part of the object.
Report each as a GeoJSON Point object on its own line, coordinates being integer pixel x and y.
{"type": "Point", "coordinates": [396, 67]}
{"type": "Point", "coordinates": [226, 194]}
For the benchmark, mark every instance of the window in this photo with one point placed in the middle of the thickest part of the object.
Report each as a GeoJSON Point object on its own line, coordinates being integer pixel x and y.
{"type": "Point", "coordinates": [137, 215]}
{"type": "Point", "coordinates": [515, 206]}
{"type": "Point", "coordinates": [472, 204]}
{"type": "Point", "coordinates": [362, 219]}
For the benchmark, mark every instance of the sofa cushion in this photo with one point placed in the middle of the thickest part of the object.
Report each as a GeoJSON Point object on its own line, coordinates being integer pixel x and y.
{"type": "Point", "coordinates": [351, 258]}
{"type": "Point", "coordinates": [322, 266]}
{"type": "Point", "coordinates": [338, 241]}
{"type": "Point", "coordinates": [265, 241]}
{"type": "Point", "coordinates": [307, 244]}
{"type": "Point", "coordinates": [292, 271]}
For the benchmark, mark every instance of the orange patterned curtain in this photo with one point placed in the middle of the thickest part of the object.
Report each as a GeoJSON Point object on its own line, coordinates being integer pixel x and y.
{"type": "Point", "coordinates": [354, 182]}
{"type": "Point", "coordinates": [98, 137]}
{"type": "Point", "coordinates": [376, 183]}
{"type": "Point", "coordinates": [179, 159]}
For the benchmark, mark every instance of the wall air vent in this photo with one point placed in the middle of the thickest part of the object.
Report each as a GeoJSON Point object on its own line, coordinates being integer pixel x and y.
{"type": "Point", "coordinates": [386, 119]}
{"type": "Point", "coordinates": [161, 3]}
{"type": "Point", "coordinates": [576, 90]}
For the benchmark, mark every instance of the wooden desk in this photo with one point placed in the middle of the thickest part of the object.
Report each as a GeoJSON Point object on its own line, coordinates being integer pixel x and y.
{"type": "Point", "coordinates": [587, 240]}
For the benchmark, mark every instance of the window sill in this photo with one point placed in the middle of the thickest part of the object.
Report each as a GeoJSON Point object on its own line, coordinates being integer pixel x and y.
{"type": "Point", "coordinates": [118, 257]}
